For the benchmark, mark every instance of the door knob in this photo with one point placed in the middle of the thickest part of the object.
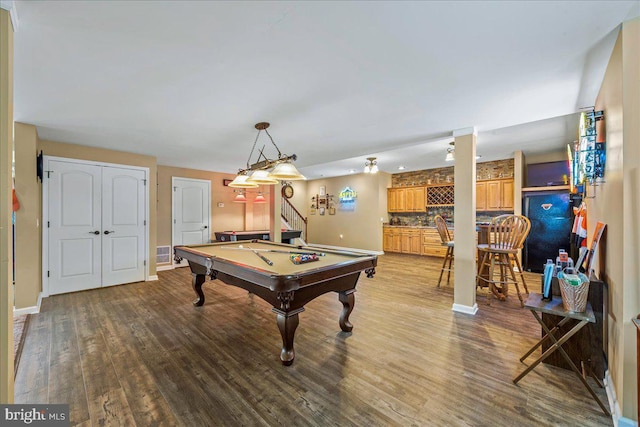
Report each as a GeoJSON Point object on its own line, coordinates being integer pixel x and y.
{"type": "Point", "coordinates": [109, 232]}
{"type": "Point", "coordinates": [94, 232]}
{"type": "Point", "coordinates": [206, 226]}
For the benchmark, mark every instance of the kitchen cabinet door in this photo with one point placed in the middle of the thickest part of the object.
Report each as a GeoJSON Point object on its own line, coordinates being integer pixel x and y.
{"type": "Point", "coordinates": [507, 195]}
{"type": "Point", "coordinates": [396, 200]}
{"type": "Point", "coordinates": [432, 244]}
{"type": "Point", "coordinates": [481, 196]}
{"type": "Point", "coordinates": [391, 200]}
{"type": "Point", "coordinates": [410, 241]}
{"type": "Point", "coordinates": [391, 240]}
{"type": "Point", "coordinates": [494, 195]}
{"type": "Point", "coordinates": [416, 199]}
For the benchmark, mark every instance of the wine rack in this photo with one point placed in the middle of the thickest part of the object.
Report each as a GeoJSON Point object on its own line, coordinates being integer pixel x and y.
{"type": "Point", "coordinates": [441, 195]}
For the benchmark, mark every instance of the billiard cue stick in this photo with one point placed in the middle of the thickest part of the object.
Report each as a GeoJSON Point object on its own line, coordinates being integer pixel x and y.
{"type": "Point", "coordinates": [262, 257]}
{"type": "Point", "coordinates": [275, 250]}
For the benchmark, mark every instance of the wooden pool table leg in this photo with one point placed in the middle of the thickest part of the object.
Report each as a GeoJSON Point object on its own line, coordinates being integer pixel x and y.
{"type": "Point", "coordinates": [197, 280]}
{"type": "Point", "coordinates": [348, 300]}
{"type": "Point", "coordinates": [287, 324]}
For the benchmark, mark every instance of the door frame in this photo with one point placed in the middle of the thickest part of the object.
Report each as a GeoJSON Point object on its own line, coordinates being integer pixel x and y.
{"type": "Point", "coordinates": [44, 248]}
{"type": "Point", "coordinates": [173, 214]}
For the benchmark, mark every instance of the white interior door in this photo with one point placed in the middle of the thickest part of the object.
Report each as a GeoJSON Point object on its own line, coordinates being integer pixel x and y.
{"type": "Point", "coordinates": [96, 225]}
{"type": "Point", "coordinates": [191, 212]}
{"type": "Point", "coordinates": [123, 227]}
{"type": "Point", "coordinates": [74, 225]}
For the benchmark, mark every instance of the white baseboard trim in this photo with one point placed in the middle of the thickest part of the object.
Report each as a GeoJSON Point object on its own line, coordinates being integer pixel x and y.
{"type": "Point", "coordinates": [164, 267]}
{"type": "Point", "coordinates": [34, 309]}
{"type": "Point", "coordinates": [459, 308]}
{"type": "Point", "coordinates": [186, 264]}
{"type": "Point", "coordinates": [152, 278]}
{"type": "Point", "coordinates": [618, 419]}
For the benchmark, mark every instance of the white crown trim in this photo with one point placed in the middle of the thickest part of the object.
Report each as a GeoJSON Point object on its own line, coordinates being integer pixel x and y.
{"type": "Point", "coordinates": [465, 131]}
{"type": "Point", "coordinates": [10, 6]}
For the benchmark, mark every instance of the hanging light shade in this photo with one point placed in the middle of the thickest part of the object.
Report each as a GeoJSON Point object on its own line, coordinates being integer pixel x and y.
{"type": "Point", "coordinates": [241, 182]}
{"type": "Point", "coordinates": [371, 165]}
{"type": "Point", "coordinates": [450, 157]}
{"type": "Point", "coordinates": [240, 198]}
{"type": "Point", "coordinates": [283, 168]}
{"type": "Point", "coordinates": [262, 177]}
{"type": "Point", "coordinates": [259, 199]}
{"type": "Point", "coordinates": [286, 171]}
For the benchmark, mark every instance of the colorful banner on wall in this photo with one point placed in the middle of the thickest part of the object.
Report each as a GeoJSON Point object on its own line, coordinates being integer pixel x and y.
{"type": "Point", "coordinates": [590, 153]}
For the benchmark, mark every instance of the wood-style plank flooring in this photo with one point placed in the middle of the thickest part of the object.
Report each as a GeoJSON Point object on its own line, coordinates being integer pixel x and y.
{"type": "Point", "coordinates": [141, 354]}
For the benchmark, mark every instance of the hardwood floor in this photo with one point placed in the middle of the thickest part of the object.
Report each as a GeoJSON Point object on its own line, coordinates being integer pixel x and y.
{"type": "Point", "coordinates": [141, 354]}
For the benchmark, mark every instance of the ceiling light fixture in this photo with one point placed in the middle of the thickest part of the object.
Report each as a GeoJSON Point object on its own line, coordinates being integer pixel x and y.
{"type": "Point", "coordinates": [259, 199]}
{"type": "Point", "coordinates": [240, 198]}
{"type": "Point", "coordinates": [450, 153]}
{"type": "Point", "coordinates": [401, 168]}
{"type": "Point", "coordinates": [371, 165]}
{"type": "Point", "coordinates": [283, 168]}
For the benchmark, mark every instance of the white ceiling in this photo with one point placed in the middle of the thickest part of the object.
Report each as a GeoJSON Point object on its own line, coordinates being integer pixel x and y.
{"type": "Point", "coordinates": [339, 81]}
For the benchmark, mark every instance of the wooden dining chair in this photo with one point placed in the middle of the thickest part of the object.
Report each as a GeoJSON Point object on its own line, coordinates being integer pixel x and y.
{"type": "Point", "coordinates": [507, 234]}
{"type": "Point", "coordinates": [445, 238]}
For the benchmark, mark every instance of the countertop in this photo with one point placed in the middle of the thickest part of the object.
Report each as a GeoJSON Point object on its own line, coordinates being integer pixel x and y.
{"type": "Point", "coordinates": [413, 226]}
{"type": "Point", "coordinates": [449, 225]}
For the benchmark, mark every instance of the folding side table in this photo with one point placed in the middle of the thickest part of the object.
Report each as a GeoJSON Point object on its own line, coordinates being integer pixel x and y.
{"type": "Point", "coordinates": [555, 307]}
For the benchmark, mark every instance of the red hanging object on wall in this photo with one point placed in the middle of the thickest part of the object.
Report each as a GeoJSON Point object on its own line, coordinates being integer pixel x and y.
{"type": "Point", "coordinates": [16, 202]}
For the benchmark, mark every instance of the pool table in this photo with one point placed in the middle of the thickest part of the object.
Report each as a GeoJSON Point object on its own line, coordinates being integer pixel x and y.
{"type": "Point", "coordinates": [283, 284]}
{"type": "Point", "coordinates": [231, 236]}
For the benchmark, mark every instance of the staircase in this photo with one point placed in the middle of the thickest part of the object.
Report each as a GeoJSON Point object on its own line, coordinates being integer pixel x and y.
{"type": "Point", "coordinates": [293, 218]}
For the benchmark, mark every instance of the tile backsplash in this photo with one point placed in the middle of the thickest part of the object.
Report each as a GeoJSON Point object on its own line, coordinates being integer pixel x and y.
{"type": "Point", "coordinates": [426, 219]}
{"type": "Point", "coordinates": [485, 170]}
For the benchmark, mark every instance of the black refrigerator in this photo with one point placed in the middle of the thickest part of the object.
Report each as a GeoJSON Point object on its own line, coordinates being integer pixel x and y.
{"type": "Point", "coordinates": [551, 222]}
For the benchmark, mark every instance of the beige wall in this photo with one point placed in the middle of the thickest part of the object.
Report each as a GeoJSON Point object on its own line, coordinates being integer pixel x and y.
{"type": "Point", "coordinates": [6, 148]}
{"type": "Point", "coordinates": [360, 228]}
{"type": "Point", "coordinates": [552, 156]}
{"type": "Point", "coordinates": [232, 216]}
{"type": "Point", "coordinates": [631, 225]}
{"type": "Point", "coordinates": [616, 203]}
{"type": "Point", "coordinates": [28, 218]}
{"type": "Point", "coordinates": [81, 152]}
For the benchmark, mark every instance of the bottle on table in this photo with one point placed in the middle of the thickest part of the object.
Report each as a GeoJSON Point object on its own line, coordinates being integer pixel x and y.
{"type": "Point", "coordinates": [549, 267]}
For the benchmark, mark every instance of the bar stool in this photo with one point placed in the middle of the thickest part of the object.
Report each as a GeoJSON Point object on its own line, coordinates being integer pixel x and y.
{"type": "Point", "coordinates": [445, 238]}
{"type": "Point", "coordinates": [507, 234]}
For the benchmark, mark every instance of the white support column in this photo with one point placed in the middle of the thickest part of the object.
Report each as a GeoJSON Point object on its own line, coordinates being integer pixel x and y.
{"type": "Point", "coordinates": [519, 175]}
{"type": "Point", "coordinates": [518, 181]}
{"type": "Point", "coordinates": [464, 293]}
{"type": "Point", "coordinates": [275, 228]}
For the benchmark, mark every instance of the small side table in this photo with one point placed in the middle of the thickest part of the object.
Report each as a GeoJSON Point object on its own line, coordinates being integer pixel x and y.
{"type": "Point", "coordinates": [555, 307]}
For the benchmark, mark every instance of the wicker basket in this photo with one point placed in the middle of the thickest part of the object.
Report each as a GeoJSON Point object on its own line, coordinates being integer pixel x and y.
{"type": "Point", "coordinates": [574, 297]}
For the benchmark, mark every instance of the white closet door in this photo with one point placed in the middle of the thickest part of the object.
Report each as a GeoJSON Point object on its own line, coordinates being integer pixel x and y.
{"type": "Point", "coordinates": [74, 252]}
{"type": "Point", "coordinates": [191, 212]}
{"type": "Point", "coordinates": [123, 235]}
